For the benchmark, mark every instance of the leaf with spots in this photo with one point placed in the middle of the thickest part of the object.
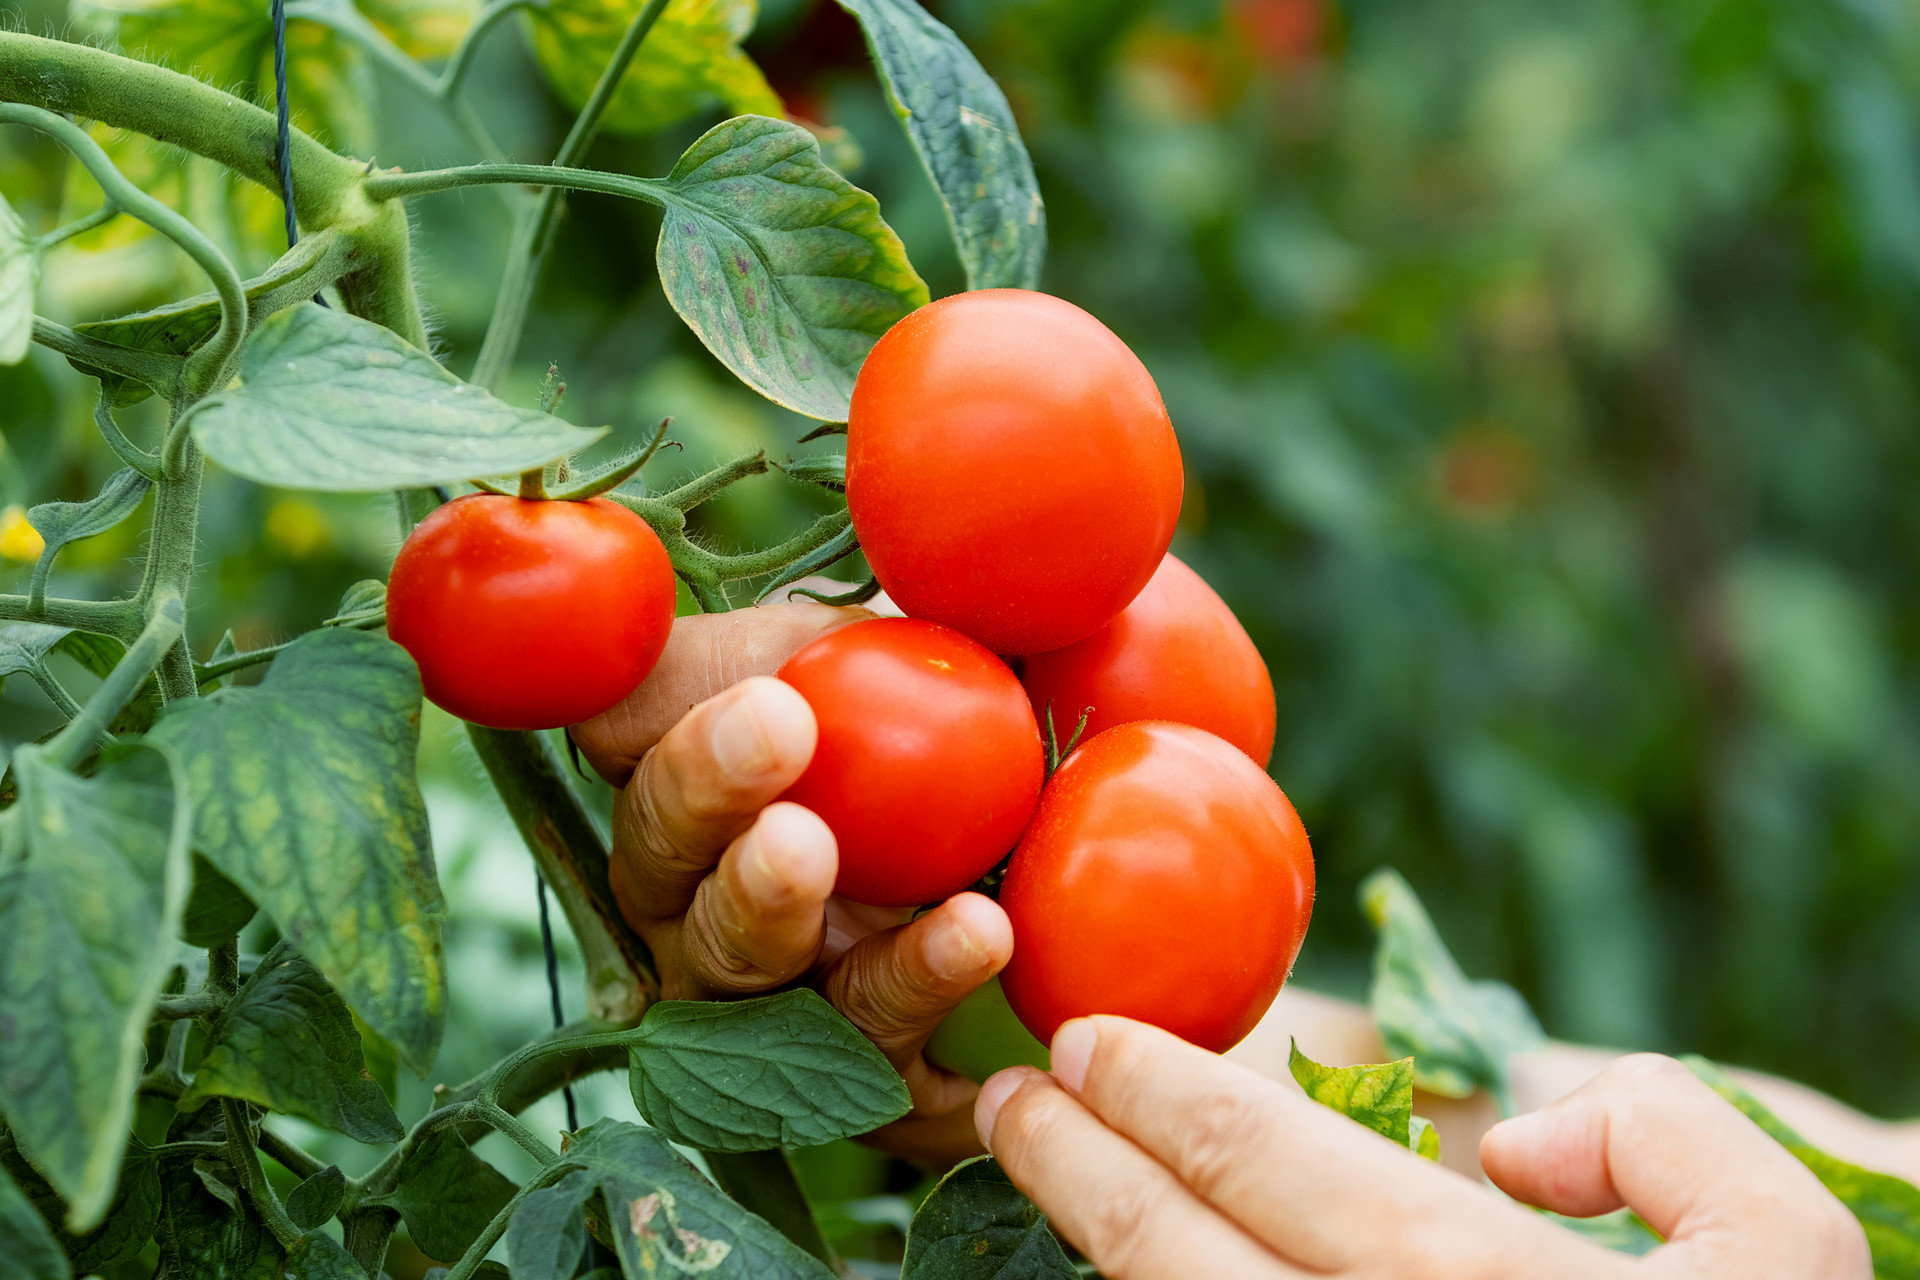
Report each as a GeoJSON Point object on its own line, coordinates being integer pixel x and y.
{"type": "Point", "coordinates": [1379, 1096]}
{"type": "Point", "coordinates": [305, 797]}
{"type": "Point", "coordinates": [781, 266]}
{"type": "Point", "coordinates": [784, 1070]}
{"type": "Point", "coordinates": [325, 400]}
{"type": "Point", "coordinates": [975, 1225]}
{"type": "Point", "coordinates": [93, 875]}
{"type": "Point", "coordinates": [286, 1042]}
{"type": "Point", "coordinates": [960, 124]}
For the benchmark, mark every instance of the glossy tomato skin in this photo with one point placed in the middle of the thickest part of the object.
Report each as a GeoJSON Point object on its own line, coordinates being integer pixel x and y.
{"type": "Point", "coordinates": [1010, 469]}
{"type": "Point", "coordinates": [1176, 653]}
{"type": "Point", "coordinates": [1165, 878]}
{"type": "Point", "coordinates": [929, 763]}
{"type": "Point", "coordinates": [531, 615]}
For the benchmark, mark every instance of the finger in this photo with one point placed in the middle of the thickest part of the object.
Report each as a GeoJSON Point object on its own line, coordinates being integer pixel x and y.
{"type": "Point", "coordinates": [1322, 1191]}
{"type": "Point", "coordinates": [705, 654]}
{"type": "Point", "coordinates": [1126, 1212]}
{"type": "Point", "coordinates": [700, 788]}
{"type": "Point", "coordinates": [899, 984]}
{"type": "Point", "coordinates": [1649, 1134]}
{"type": "Point", "coordinates": [756, 922]}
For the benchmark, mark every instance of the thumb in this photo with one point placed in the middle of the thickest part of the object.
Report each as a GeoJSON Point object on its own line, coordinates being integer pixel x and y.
{"type": "Point", "coordinates": [1649, 1135]}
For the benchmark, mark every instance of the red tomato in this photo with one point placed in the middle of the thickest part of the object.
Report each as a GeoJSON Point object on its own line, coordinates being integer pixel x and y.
{"type": "Point", "coordinates": [1010, 469]}
{"type": "Point", "coordinates": [1176, 653]}
{"type": "Point", "coordinates": [1165, 878]}
{"type": "Point", "coordinates": [929, 763]}
{"type": "Point", "coordinates": [531, 615]}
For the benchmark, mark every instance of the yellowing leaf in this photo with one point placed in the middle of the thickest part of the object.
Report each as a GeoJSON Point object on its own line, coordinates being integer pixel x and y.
{"type": "Point", "coordinates": [422, 28]}
{"type": "Point", "coordinates": [691, 60]}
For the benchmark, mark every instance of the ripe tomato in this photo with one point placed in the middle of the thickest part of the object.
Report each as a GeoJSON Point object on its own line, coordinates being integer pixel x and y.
{"type": "Point", "coordinates": [1165, 878]}
{"type": "Point", "coordinates": [929, 763]}
{"type": "Point", "coordinates": [1176, 653]}
{"type": "Point", "coordinates": [530, 615]}
{"type": "Point", "coordinates": [1010, 469]}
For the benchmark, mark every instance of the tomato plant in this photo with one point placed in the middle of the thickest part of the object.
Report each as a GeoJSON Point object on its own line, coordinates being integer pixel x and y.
{"type": "Point", "coordinates": [989, 434]}
{"type": "Point", "coordinates": [1157, 839]}
{"type": "Point", "coordinates": [530, 614]}
{"type": "Point", "coordinates": [929, 762]}
{"type": "Point", "coordinates": [1176, 653]}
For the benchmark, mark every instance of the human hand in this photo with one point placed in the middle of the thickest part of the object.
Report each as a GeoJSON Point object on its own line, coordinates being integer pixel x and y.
{"type": "Point", "coordinates": [1157, 1160]}
{"type": "Point", "coordinates": [732, 888]}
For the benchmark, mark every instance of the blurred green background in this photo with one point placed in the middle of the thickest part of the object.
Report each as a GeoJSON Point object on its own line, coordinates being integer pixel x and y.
{"type": "Point", "coordinates": [1546, 381]}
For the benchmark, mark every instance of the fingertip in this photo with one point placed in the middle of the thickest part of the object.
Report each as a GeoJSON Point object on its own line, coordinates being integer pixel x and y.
{"type": "Point", "coordinates": [788, 856]}
{"type": "Point", "coordinates": [1073, 1047]}
{"type": "Point", "coordinates": [981, 925]}
{"type": "Point", "coordinates": [993, 1096]}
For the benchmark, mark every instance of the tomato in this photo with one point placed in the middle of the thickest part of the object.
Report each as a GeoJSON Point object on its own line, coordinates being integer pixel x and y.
{"type": "Point", "coordinates": [929, 763]}
{"type": "Point", "coordinates": [531, 615]}
{"type": "Point", "coordinates": [1010, 469]}
{"type": "Point", "coordinates": [1176, 653]}
{"type": "Point", "coordinates": [1165, 878]}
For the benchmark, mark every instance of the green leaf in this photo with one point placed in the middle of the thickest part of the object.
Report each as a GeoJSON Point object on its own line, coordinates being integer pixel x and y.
{"type": "Point", "coordinates": [286, 1043]}
{"type": "Point", "coordinates": [664, 1218]}
{"type": "Point", "coordinates": [216, 908]}
{"type": "Point", "coordinates": [1379, 1096]}
{"type": "Point", "coordinates": [1888, 1207]}
{"type": "Point", "coordinates": [975, 1225]}
{"type": "Point", "coordinates": [959, 122]}
{"type": "Point", "coordinates": [1460, 1034]}
{"type": "Point", "coordinates": [25, 645]}
{"type": "Point", "coordinates": [1621, 1231]}
{"type": "Point", "coordinates": [28, 1250]}
{"type": "Point", "coordinates": [130, 1218]}
{"type": "Point", "coordinates": [62, 522]}
{"type": "Point", "coordinates": [362, 600]}
{"type": "Point", "coordinates": [548, 1232]}
{"type": "Point", "coordinates": [780, 265]}
{"type": "Point", "coordinates": [93, 875]}
{"type": "Point", "coordinates": [179, 328]}
{"type": "Point", "coordinates": [318, 1256]}
{"type": "Point", "coordinates": [202, 1237]}
{"type": "Point", "coordinates": [1424, 1139]}
{"type": "Point", "coordinates": [446, 1194]}
{"type": "Point", "coordinates": [325, 400]}
{"type": "Point", "coordinates": [19, 277]}
{"type": "Point", "coordinates": [691, 59]}
{"type": "Point", "coordinates": [100, 655]}
{"type": "Point", "coordinates": [305, 797]}
{"type": "Point", "coordinates": [783, 1070]}
{"type": "Point", "coordinates": [317, 1199]}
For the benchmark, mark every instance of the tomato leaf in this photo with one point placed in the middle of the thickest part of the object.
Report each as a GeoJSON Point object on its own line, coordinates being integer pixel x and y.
{"type": "Point", "coordinates": [1459, 1034]}
{"type": "Point", "coordinates": [964, 132]}
{"type": "Point", "coordinates": [60, 523]}
{"type": "Point", "coordinates": [1379, 1096]}
{"type": "Point", "coordinates": [780, 265]}
{"type": "Point", "coordinates": [28, 1250]}
{"type": "Point", "coordinates": [204, 1237]}
{"type": "Point", "coordinates": [690, 60]}
{"type": "Point", "coordinates": [129, 1221]}
{"type": "Point", "coordinates": [305, 797]}
{"type": "Point", "coordinates": [662, 1216]}
{"type": "Point", "coordinates": [19, 277]}
{"type": "Point", "coordinates": [447, 1195]}
{"type": "Point", "coordinates": [1424, 1139]}
{"type": "Point", "coordinates": [25, 645]}
{"type": "Point", "coordinates": [975, 1225]}
{"type": "Point", "coordinates": [1621, 1231]}
{"type": "Point", "coordinates": [548, 1232]}
{"type": "Point", "coordinates": [286, 1043]}
{"type": "Point", "coordinates": [325, 400]}
{"type": "Point", "coordinates": [318, 1256]}
{"type": "Point", "coordinates": [93, 875]}
{"type": "Point", "coordinates": [217, 909]}
{"type": "Point", "coordinates": [1888, 1207]}
{"type": "Point", "coordinates": [317, 1198]}
{"type": "Point", "coordinates": [784, 1070]}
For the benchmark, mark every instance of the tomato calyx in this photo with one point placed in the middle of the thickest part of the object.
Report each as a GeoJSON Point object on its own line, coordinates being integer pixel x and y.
{"type": "Point", "coordinates": [1057, 751]}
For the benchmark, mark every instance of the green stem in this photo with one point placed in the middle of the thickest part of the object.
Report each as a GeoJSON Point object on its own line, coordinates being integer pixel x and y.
{"type": "Point", "coordinates": [421, 182]}
{"type": "Point", "coordinates": [490, 1234]}
{"type": "Point", "coordinates": [533, 235]}
{"type": "Point", "coordinates": [454, 75]}
{"type": "Point", "coordinates": [702, 488]}
{"type": "Point", "coordinates": [147, 464]}
{"type": "Point", "coordinates": [197, 1004]}
{"type": "Point", "coordinates": [79, 226]}
{"type": "Point", "coordinates": [288, 1155]}
{"type": "Point", "coordinates": [763, 1182]}
{"type": "Point", "coordinates": [121, 619]}
{"type": "Point", "coordinates": [246, 1162]}
{"type": "Point", "coordinates": [211, 364]}
{"type": "Point", "coordinates": [56, 692]}
{"type": "Point", "coordinates": [506, 1122]}
{"type": "Point", "coordinates": [159, 373]}
{"type": "Point", "coordinates": [71, 745]}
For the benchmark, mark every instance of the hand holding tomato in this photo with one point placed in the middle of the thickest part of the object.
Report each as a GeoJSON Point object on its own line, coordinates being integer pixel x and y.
{"type": "Point", "coordinates": [732, 887]}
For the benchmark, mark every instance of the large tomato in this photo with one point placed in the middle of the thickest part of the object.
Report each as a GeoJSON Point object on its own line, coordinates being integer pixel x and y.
{"type": "Point", "coordinates": [1165, 878]}
{"type": "Point", "coordinates": [1010, 469]}
{"type": "Point", "coordinates": [1176, 653]}
{"type": "Point", "coordinates": [929, 763]}
{"type": "Point", "coordinates": [531, 615]}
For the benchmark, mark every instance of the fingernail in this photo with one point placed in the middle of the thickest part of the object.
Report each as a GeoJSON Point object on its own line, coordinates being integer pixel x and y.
{"type": "Point", "coordinates": [993, 1095]}
{"type": "Point", "coordinates": [757, 875]}
{"type": "Point", "coordinates": [740, 743]}
{"type": "Point", "coordinates": [952, 951]}
{"type": "Point", "coordinates": [1073, 1046]}
{"type": "Point", "coordinates": [767, 724]}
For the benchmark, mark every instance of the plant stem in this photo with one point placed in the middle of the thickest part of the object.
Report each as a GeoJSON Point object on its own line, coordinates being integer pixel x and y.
{"type": "Point", "coordinates": [56, 692]}
{"type": "Point", "coordinates": [490, 1234]}
{"type": "Point", "coordinates": [106, 213]}
{"type": "Point", "coordinates": [198, 1004]}
{"type": "Point", "coordinates": [287, 1155]}
{"type": "Point", "coordinates": [121, 619]}
{"type": "Point", "coordinates": [533, 236]}
{"type": "Point", "coordinates": [763, 1182]}
{"type": "Point", "coordinates": [159, 373]}
{"type": "Point", "coordinates": [71, 745]}
{"type": "Point", "coordinates": [246, 1162]}
{"type": "Point", "coordinates": [506, 1122]}
{"type": "Point", "coordinates": [147, 464]}
{"type": "Point", "coordinates": [421, 182]}
{"type": "Point", "coordinates": [454, 74]}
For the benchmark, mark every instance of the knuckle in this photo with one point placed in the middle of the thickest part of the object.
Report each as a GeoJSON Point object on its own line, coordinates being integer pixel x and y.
{"type": "Point", "coordinates": [873, 996]}
{"type": "Point", "coordinates": [1839, 1241]}
{"type": "Point", "coordinates": [659, 837]}
{"type": "Point", "coordinates": [1217, 1133]}
{"type": "Point", "coordinates": [1121, 1222]}
{"type": "Point", "coordinates": [1648, 1071]}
